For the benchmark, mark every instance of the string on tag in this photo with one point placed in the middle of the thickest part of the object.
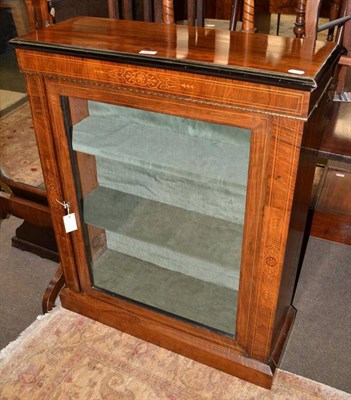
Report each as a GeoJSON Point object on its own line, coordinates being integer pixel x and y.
{"type": "Point", "coordinates": [65, 205]}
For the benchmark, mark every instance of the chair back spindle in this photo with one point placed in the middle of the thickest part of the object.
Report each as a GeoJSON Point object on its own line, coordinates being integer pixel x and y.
{"type": "Point", "coordinates": [151, 11]}
{"type": "Point", "coordinates": [248, 16]}
{"type": "Point", "coordinates": [167, 12]}
{"type": "Point", "coordinates": [299, 26]}
{"type": "Point", "coordinates": [306, 26]}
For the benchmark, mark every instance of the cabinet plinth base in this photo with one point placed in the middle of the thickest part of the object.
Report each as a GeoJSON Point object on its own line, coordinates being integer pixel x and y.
{"type": "Point", "coordinates": [177, 336]}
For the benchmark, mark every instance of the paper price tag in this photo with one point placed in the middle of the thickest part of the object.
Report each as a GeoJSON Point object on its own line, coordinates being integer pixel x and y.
{"type": "Point", "coordinates": [70, 223]}
{"type": "Point", "coordinates": [148, 52]}
{"type": "Point", "coordinates": [296, 71]}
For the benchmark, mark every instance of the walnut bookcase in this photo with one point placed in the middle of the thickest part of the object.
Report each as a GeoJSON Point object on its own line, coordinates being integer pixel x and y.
{"type": "Point", "coordinates": [267, 92]}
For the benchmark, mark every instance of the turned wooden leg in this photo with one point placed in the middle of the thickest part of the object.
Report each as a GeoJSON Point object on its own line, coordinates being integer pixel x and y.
{"type": "Point", "coordinates": [299, 29]}
{"type": "Point", "coordinates": [167, 12]}
{"type": "Point", "coordinates": [248, 16]}
{"type": "Point", "coordinates": [278, 23]}
{"type": "Point", "coordinates": [53, 290]}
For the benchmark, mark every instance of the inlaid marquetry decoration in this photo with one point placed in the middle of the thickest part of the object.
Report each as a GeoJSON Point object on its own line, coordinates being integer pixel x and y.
{"type": "Point", "coordinates": [221, 92]}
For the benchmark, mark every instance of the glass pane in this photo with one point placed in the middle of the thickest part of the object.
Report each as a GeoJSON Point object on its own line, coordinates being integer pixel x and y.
{"type": "Point", "coordinates": [164, 201]}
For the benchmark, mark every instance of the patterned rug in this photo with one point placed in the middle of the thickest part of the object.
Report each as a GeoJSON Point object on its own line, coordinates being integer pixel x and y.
{"type": "Point", "coordinates": [64, 355]}
{"type": "Point", "coordinates": [18, 149]}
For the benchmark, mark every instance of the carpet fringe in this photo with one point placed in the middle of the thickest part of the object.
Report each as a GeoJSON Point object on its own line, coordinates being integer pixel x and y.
{"type": "Point", "coordinates": [8, 350]}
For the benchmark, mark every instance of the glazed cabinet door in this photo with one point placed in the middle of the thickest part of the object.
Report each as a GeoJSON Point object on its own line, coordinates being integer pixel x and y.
{"type": "Point", "coordinates": [162, 207]}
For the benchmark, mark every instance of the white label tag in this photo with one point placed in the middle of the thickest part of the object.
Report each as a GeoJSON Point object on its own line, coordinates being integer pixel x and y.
{"type": "Point", "coordinates": [148, 52]}
{"type": "Point", "coordinates": [70, 223]}
{"type": "Point", "coordinates": [296, 71]}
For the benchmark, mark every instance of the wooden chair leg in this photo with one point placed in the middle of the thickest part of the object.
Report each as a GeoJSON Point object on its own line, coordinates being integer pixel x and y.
{"type": "Point", "coordinates": [299, 29]}
{"type": "Point", "coordinates": [237, 6]}
{"type": "Point", "coordinates": [53, 290]}
{"type": "Point", "coordinates": [248, 16]}
{"type": "Point", "coordinates": [278, 23]}
{"type": "Point", "coordinates": [167, 12]}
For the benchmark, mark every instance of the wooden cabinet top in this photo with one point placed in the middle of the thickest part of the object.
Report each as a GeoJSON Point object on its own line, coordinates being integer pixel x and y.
{"type": "Point", "coordinates": [274, 60]}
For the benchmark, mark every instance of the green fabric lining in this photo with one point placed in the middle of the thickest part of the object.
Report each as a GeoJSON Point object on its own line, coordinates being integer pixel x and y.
{"type": "Point", "coordinates": [159, 149]}
{"type": "Point", "coordinates": [194, 244]}
{"type": "Point", "coordinates": [203, 168]}
{"type": "Point", "coordinates": [181, 295]}
{"type": "Point", "coordinates": [186, 126]}
{"type": "Point", "coordinates": [226, 203]}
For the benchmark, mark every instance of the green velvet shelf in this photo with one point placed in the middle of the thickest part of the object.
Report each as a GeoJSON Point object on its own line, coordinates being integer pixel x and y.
{"type": "Point", "coordinates": [184, 296]}
{"type": "Point", "coordinates": [193, 244]}
{"type": "Point", "coordinates": [181, 162]}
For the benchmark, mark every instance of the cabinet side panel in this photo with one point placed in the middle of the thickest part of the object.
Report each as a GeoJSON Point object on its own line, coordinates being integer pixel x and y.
{"type": "Point", "coordinates": [302, 200]}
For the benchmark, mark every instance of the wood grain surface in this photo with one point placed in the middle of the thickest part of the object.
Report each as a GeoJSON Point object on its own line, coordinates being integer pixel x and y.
{"type": "Point", "coordinates": [216, 50]}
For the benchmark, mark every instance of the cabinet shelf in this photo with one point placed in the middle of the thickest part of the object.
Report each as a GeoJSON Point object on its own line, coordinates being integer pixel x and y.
{"type": "Point", "coordinates": [182, 295]}
{"type": "Point", "coordinates": [190, 164]}
{"type": "Point", "coordinates": [193, 244]}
